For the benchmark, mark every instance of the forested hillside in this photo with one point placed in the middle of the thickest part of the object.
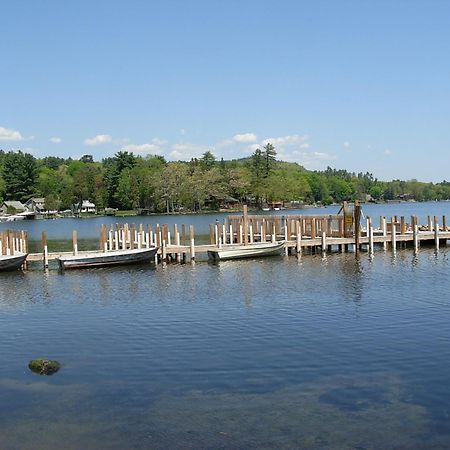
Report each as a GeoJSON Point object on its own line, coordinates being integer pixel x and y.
{"type": "Point", "coordinates": [127, 181]}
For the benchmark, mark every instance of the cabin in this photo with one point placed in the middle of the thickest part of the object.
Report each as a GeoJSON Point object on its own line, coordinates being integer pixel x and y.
{"type": "Point", "coordinates": [85, 207]}
{"type": "Point", "coordinates": [225, 202]}
{"type": "Point", "coordinates": [275, 205]}
{"type": "Point", "coordinates": [36, 205]}
{"type": "Point", "coordinates": [11, 207]}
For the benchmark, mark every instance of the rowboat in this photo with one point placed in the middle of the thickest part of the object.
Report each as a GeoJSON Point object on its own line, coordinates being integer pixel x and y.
{"type": "Point", "coordinates": [245, 251]}
{"type": "Point", "coordinates": [110, 258]}
{"type": "Point", "coordinates": [12, 262]}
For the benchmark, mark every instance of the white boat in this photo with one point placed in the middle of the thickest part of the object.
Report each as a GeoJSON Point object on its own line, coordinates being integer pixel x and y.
{"type": "Point", "coordinates": [15, 218]}
{"type": "Point", "coordinates": [12, 262]}
{"type": "Point", "coordinates": [111, 258]}
{"type": "Point", "coordinates": [245, 251]}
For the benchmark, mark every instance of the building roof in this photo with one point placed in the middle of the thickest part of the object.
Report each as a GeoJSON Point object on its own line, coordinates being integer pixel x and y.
{"type": "Point", "coordinates": [85, 204]}
{"type": "Point", "coordinates": [14, 204]}
{"type": "Point", "coordinates": [37, 200]}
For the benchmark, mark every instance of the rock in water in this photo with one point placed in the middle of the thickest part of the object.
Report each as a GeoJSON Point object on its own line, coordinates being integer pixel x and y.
{"type": "Point", "coordinates": [44, 366]}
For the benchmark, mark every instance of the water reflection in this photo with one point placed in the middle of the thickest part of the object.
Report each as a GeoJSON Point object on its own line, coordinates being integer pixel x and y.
{"type": "Point", "coordinates": [269, 353]}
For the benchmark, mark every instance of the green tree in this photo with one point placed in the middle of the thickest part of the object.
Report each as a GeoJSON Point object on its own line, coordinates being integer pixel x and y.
{"type": "Point", "coordinates": [207, 161]}
{"type": "Point", "coordinates": [269, 154]}
{"type": "Point", "coordinates": [20, 173]}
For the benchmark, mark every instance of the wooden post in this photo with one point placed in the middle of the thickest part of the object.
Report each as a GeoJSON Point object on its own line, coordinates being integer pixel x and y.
{"type": "Point", "coordinates": [22, 241]}
{"type": "Point", "coordinates": [75, 242]}
{"type": "Point", "coordinates": [44, 249]}
{"type": "Point", "coordinates": [286, 248]}
{"type": "Point", "coordinates": [245, 224]}
{"type": "Point", "coordinates": [25, 248]}
{"type": "Point", "coordinates": [116, 238]}
{"type": "Point", "coordinates": [402, 225]}
{"type": "Point", "coordinates": [191, 242]}
{"type": "Point", "coordinates": [324, 241]}
{"type": "Point", "coordinates": [430, 224]}
{"type": "Point", "coordinates": [370, 229]}
{"type": "Point", "coordinates": [274, 232]}
{"type": "Point", "coordinates": [416, 237]}
{"type": "Point", "coordinates": [217, 235]}
{"type": "Point", "coordinates": [164, 250]}
{"type": "Point", "coordinates": [436, 233]}
{"type": "Point", "coordinates": [11, 242]}
{"type": "Point", "coordinates": [133, 236]}
{"type": "Point", "coordinates": [393, 235]}
{"type": "Point", "coordinates": [299, 237]}
{"type": "Point", "coordinates": [444, 223]}
{"type": "Point", "coordinates": [111, 237]}
{"type": "Point", "coordinates": [183, 234]}
{"type": "Point", "coordinates": [384, 231]}
{"type": "Point", "coordinates": [140, 234]}
{"type": "Point", "coordinates": [167, 235]}
{"type": "Point", "coordinates": [151, 236]}
{"type": "Point", "coordinates": [177, 243]}
{"type": "Point", "coordinates": [356, 219]}
{"type": "Point", "coordinates": [125, 237]}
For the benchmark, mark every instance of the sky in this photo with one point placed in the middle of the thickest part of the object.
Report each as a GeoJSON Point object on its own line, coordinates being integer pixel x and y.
{"type": "Point", "coordinates": [359, 85]}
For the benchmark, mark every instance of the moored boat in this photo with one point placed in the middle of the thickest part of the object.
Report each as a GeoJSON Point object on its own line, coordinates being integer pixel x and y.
{"type": "Point", "coordinates": [246, 251]}
{"type": "Point", "coordinates": [110, 258]}
{"type": "Point", "coordinates": [12, 262]}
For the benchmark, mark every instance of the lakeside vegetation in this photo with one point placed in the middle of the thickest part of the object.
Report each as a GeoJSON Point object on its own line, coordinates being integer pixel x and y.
{"type": "Point", "coordinates": [129, 182]}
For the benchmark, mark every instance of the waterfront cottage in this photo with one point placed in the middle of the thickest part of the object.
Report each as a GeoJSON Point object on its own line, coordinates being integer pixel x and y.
{"type": "Point", "coordinates": [36, 205]}
{"type": "Point", "coordinates": [85, 207]}
{"type": "Point", "coordinates": [11, 207]}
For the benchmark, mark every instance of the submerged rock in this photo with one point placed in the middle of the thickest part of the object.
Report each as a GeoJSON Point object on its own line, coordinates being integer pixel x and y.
{"type": "Point", "coordinates": [44, 366]}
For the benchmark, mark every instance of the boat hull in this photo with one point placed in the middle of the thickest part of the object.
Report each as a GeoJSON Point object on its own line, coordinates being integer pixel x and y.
{"type": "Point", "coordinates": [245, 251]}
{"type": "Point", "coordinates": [12, 262]}
{"type": "Point", "coordinates": [112, 258]}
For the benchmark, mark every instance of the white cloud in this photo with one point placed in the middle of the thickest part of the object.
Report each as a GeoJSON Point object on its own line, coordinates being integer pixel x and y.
{"type": "Point", "coordinates": [287, 140]}
{"type": "Point", "coordinates": [310, 160]}
{"type": "Point", "coordinates": [244, 138]}
{"type": "Point", "coordinates": [142, 148]}
{"type": "Point", "coordinates": [187, 151]}
{"type": "Point", "coordinates": [182, 132]}
{"type": "Point", "coordinates": [294, 148]}
{"type": "Point", "coordinates": [154, 147]}
{"type": "Point", "coordinates": [346, 144]}
{"type": "Point", "coordinates": [55, 140]}
{"type": "Point", "coordinates": [8, 134]}
{"type": "Point", "coordinates": [387, 152]}
{"type": "Point", "coordinates": [98, 140]}
{"type": "Point", "coordinates": [252, 147]}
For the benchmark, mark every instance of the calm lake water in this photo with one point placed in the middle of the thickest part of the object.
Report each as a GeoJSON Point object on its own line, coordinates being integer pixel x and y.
{"type": "Point", "coordinates": [89, 228]}
{"type": "Point", "coordinates": [314, 353]}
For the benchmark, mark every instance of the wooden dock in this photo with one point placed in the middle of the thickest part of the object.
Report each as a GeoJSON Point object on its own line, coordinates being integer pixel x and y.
{"type": "Point", "coordinates": [302, 234]}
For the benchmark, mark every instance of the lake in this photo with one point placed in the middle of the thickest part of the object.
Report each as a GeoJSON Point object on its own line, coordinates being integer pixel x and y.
{"type": "Point", "coordinates": [318, 352]}
{"type": "Point", "coordinates": [89, 228]}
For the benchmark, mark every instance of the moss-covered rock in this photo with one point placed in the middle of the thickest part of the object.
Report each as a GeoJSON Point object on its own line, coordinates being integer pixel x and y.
{"type": "Point", "coordinates": [44, 366]}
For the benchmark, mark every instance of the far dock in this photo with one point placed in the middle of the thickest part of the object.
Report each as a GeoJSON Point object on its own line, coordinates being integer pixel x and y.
{"type": "Point", "coordinates": [302, 234]}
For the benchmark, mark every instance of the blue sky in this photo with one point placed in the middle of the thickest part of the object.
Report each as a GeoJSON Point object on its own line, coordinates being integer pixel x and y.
{"type": "Point", "coordinates": [361, 85]}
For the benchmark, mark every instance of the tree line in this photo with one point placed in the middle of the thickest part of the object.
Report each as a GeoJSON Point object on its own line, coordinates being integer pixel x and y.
{"type": "Point", "coordinates": [127, 181]}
